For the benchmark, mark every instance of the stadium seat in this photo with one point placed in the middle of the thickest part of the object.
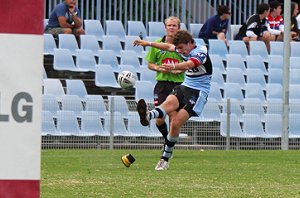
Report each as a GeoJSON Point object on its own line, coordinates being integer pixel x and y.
{"type": "Point", "coordinates": [115, 28]}
{"type": "Point", "coordinates": [274, 91]}
{"type": "Point", "coordinates": [256, 76]}
{"type": "Point", "coordinates": [295, 49]}
{"type": "Point", "coordinates": [144, 90]}
{"type": "Point", "coordinates": [274, 106]}
{"type": "Point", "coordinates": [233, 30]}
{"type": "Point", "coordinates": [259, 48]}
{"type": "Point", "coordinates": [105, 77]}
{"type": "Point", "coordinates": [253, 126]}
{"type": "Point", "coordinates": [275, 61]}
{"type": "Point", "coordinates": [254, 106]}
{"type": "Point", "coordinates": [85, 60]}
{"type": "Point", "coordinates": [235, 75]}
{"type": "Point", "coordinates": [91, 124]}
{"type": "Point", "coordinates": [211, 112]}
{"type": "Point", "coordinates": [215, 93]}
{"type": "Point", "coordinates": [67, 123]}
{"type": "Point", "coordinates": [118, 128]}
{"type": "Point", "coordinates": [68, 41]}
{"type": "Point", "coordinates": [135, 127]}
{"type": "Point", "coordinates": [217, 77]}
{"type": "Point", "coordinates": [72, 103]}
{"type": "Point", "coordinates": [156, 28]}
{"type": "Point", "coordinates": [195, 29]}
{"type": "Point", "coordinates": [129, 57]}
{"type": "Point", "coordinates": [275, 75]}
{"type": "Point", "coordinates": [235, 129]}
{"type": "Point", "coordinates": [136, 28]}
{"type": "Point", "coordinates": [49, 44]}
{"type": "Point", "coordinates": [53, 87]}
{"type": "Point", "coordinates": [238, 47]}
{"type": "Point", "coordinates": [147, 74]}
{"type": "Point", "coordinates": [217, 47]}
{"type": "Point", "coordinates": [200, 41]}
{"type": "Point", "coordinates": [276, 48]}
{"type": "Point", "coordinates": [256, 62]}
{"type": "Point", "coordinates": [129, 68]}
{"type": "Point", "coordinates": [112, 43]}
{"type": "Point", "coordinates": [94, 27]}
{"type": "Point", "coordinates": [45, 22]}
{"type": "Point", "coordinates": [48, 125]}
{"type": "Point", "coordinates": [235, 107]}
{"type": "Point", "coordinates": [236, 61]}
{"type": "Point", "coordinates": [90, 42]}
{"type": "Point", "coordinates": [254, 90]}
{"type": "Point", "coordinates": [45, 75]}
{"type": "Point", "coordinates": [129, 46]}
{"type": "Point", "coordinates": [294, 93]}
{"type": "Point", "coordinates": [294, 62]}
{"type": "Point", "coordinates": [50, 103]}
{"type": "Point", "coordinates": [109, 57]}
{"type": "Point", "coordinates": [294, 125]}
{"type": "Point", "coordinates": [76, 87]}
{"type": "Point", "coordinates": [95, 103]}
{"type": "Point", "coordinates": [118, 104]}
{"type": "Point", "coordinates": [217, 62]}
{"type": "Point", "coordinates": [233, 91]}
{"type": "Point", "coordinates": [63, 60]}
{"type": "Point", "coordinates": [295, 76]}
{"type": "Point", "coordinates": [273, 125]}
{"type": "Point", "coordinates": [183, 26]}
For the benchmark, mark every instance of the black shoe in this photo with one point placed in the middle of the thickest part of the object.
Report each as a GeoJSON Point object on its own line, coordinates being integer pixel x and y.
{"type": "Point", "coordinates": [142, 110]}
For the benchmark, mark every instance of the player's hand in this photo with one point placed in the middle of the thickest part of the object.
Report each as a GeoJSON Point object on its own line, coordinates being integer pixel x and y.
{"type": "Point", "coordinates": [141, 42]}
{"type": "Point", "coordinates": [166, 68]}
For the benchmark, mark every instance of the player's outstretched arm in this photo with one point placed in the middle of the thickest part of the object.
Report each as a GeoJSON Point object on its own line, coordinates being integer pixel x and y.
{"type": "Point", "coordinates": [162, 46]}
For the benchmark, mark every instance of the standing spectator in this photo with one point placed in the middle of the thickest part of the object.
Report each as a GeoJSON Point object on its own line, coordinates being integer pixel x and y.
{"type": "Point", "coordinates": [187, 99]}
{"type": "Point", "coordinates": [166, 81]}
{"type": "Point", "coordinates": [216, 26]}
{"type": "Point", "coordinates": [256, 27]}
{"type": "Point", "coordinates": [275, 21]}
{"type": "Point", "coordinates": [64, 19]}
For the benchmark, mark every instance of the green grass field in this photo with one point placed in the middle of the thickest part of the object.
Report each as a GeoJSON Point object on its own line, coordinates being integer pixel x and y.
{"type": "Point", "coordinates": [100, 173]}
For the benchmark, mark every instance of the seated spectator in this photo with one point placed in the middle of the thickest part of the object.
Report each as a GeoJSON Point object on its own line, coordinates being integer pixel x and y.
{"type": "Point", "coordinates": [294, 23]}
{"type": "Point", "coordinates": [216, 26]}
{"type": "Point", "coordinates": [275, 21]}
{"type": "Point", "coordinates": [256, 27]}
{"type": "Point", "coordinates": [64, 19]}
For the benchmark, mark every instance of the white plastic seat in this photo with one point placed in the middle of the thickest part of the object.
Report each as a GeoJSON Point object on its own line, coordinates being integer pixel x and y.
{"type": "Point", "coordinates": [195, 29]}
{"type": "Point", "coordinates": [111, 42]}
{"type": "Point", "coordinates": [238, 47]}
{"type": "Point", "coordinates": [136, 28]}
{"type": "Point", "coordinates": [105, 77]}
{"type": "Point", "coordinates": [276, 48]}
{"type": "Point", "coordinates": [72, 103]}
{"type": "Point", "coordinates": [91, 124]}
{"type": "Point", "coordinates": [68, 41]}
{"type": "Point", "coordinates": [67, 123]}
{"type": "Point", "coordinates": [217, 62]}
{"type": "Point", "coordinates": [253, 126]}
{"type": "Point", "coordinates": [89, 42]}
{"type": "Point", "coordinates": [294, 125]}
{"type": "Point", "coordinates": [156, 28]}
{"type": "Point", "coordinates": [94, 27]}
{"type": "Point", "coordinates": [109, 57]}
{"type": "Point", "coordinates": [235, 128]}
{"type": "Point", "coordinates": [275, 76]}
{"type": "Point", "coordinates": [115, 28]}
{"type": "Point", "coordinates": [236, 61]}
{"type": "Point", "coordinates": [259, 48]}
{"type": "Point", "coordinates": [63, 60]}
{"type": "Point", "coordinates": [275, 62]}
{"type": "Point", "coordinates": [48, 125]}
{"type": "Point", "coordinates": [85, 60]}
{"type": "Point", "coordinates": [273, 125]}
{"type": "Point", "coordinates": [217, 47]}
{"type": "Point", "coordinates": [256, 76]}
{"type": "Point", "coordinates": [76, 87]}
{"type": "Point", "coordinates": [49, 44]}
{"type": "Point", "coordinates": [254, 90]}
{"type": "Point", "coordinates": [295, 49]}
{"type": "Point", "coordinates": [144, 90]}
{"type": "Point", "coordinates": [53, 87]}
{"type": "Point", "coordinates": [256, 62]}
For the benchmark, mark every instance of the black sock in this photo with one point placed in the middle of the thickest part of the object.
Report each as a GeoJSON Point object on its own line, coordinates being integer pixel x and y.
{"type": "Point", "coordinates": [163, 129]}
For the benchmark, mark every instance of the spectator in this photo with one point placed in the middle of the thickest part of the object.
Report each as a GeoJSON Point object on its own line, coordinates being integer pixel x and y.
{"type": "Point", "coordinates": [216, 26]}
{"type": "Point", "coordinates": [294, 23]}
{"type": "Point", "coordinates": [275, 21]}
{"type": "Point", "coordinates": [64, 19]}
{"type": "Point", "coordinates": [256, 27]}
{"type": "Point", "coordinates": [166, 81]}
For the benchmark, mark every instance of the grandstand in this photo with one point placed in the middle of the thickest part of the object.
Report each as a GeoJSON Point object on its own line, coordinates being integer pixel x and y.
{"type": "Point", "coordinates": [83, 107]}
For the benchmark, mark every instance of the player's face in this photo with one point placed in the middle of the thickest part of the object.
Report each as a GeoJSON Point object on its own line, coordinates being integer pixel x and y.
{"type": "Point", "coordinates": [185, 49]}
{"type": "Point", "coordinates": [171, 27]}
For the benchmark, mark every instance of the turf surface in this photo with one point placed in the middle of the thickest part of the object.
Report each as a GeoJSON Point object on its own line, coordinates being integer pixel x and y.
{"type": "Point", "coordinates": [194, 173]}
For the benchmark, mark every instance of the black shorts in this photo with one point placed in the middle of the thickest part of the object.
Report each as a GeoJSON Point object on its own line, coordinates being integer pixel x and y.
{"type": "Point", "coordinates": [161, 91]}
{"type": "Point", "coordinates": [188, 98]}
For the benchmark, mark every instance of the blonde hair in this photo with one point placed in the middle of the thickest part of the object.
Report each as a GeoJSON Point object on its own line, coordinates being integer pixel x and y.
{"type": "Point", "coordinates": [172, 18]}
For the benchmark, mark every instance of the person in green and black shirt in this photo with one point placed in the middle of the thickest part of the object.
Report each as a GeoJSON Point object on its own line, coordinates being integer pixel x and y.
{"type": "Point", "coordinates": [166, 81]}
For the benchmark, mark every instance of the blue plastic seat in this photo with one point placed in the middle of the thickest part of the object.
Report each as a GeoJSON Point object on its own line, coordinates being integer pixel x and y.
{"type": "Point", "coordinates": [254, 106]}
{"type": "Point", "coordinates": [119, 104]}
{"type": "Point", "coordinates": [211, 112]}
{"type": "Point", "coordinates": [294, 93]}
{"type": "Point", "coordinates": [118, 128]}
{"type": "Point", "coordinates": [238, 47]}
{"type": "Point", "coordinates": [76, 87]}
{"type": "Point", "coordinates": [276, 48]}
{"type": "Point", "coordinates": [95, 103]}
{"type": "Point", "coordinates": [294, 125]}
{"type": "Point", "coordinates": [147, 74]}
{"type": "Point", "coordinates": [295, 49]}
{"type": "Point", "coordinates": [235, 75]}
{"type": "Point", "coordinates": [253, 126]}
{"type": "Point", "coordinates": [217, 47]}
{"type": "Point", "coordinates": [129, 57]}
{"type": "Point", "coordinates": [90, 42]}
{"type": "Point", "coordinates": [236, 61]}
{"type": "Point", "coordinates": [115, 28]}
{"type": "Point", "coordinates": [295, 76]}
{"type": "Point", "coordinates": [50, 103]}
{"type": "Point", "coordinates": [105, 77]}
{"type": "Point", "coordinates": [195, 29]}
{"type": "Point", "coordinates": [275, 61]}
{"type": "Point", "coordinates": [233, 30]}
{"type": "Point", "coordinates": [48, 124]}
{"type": "Point", "coordinates": [156, 28]}
{"type": "Point", "coordinates": [273, 125]}
{"type": "Point", "coordinates": [68, 41]}
{"type": "Point", "coordinates": [256, 62]}
{"type": "Point", "coordinates": [144, 90]}
{"type": "Point", "coordinates": [85, 60]}
{"type": "Point", "coordinates": [91, 124]}
{"type": "Point", "coordinates": [233, 91]}
{"type": "Point", "coordinates": [53, 87]}
{"type": "Point", "coordinates": [72, 103]}
{"type": "Point", "coordinates": [63, 60]}
{"type": "Point", "coordinates": [109, 57]}
{"type": "Point", "coordinates": [111, 42]}
{"type": "Point", "coordinates": [217, 77]}
{"type": "Point", "coordinates": [49, 44]}
{"type": "Point", "coordinates": [274, 91]}
{"type": "Point", "coordinates": [217, 62]}
{"type": "Point", "coordinates": [275, 76]}
{"type": "Point", "coordinates": [67, 123]}
{"type": "Point", "coordinates": [259, 48]}
{"type": "Point", "coordinates": [295, 62]}
{"type": "Point", "coordinates": [235, 129]}
{"type": "Point", "coordinates": [255, 90]}
{"type": "Point", "coordinates": [94, 27]}
{"type": "Point", "coordinates": [136, 28]}
{"type": "Point", "coordinates": [215, 93]}
{"type": "Point", "coordinates": [129, 46]}
{"type": "Point", "coordinates": [256, 76]}
{"type": "Point", "coordinates": [135, 127]}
